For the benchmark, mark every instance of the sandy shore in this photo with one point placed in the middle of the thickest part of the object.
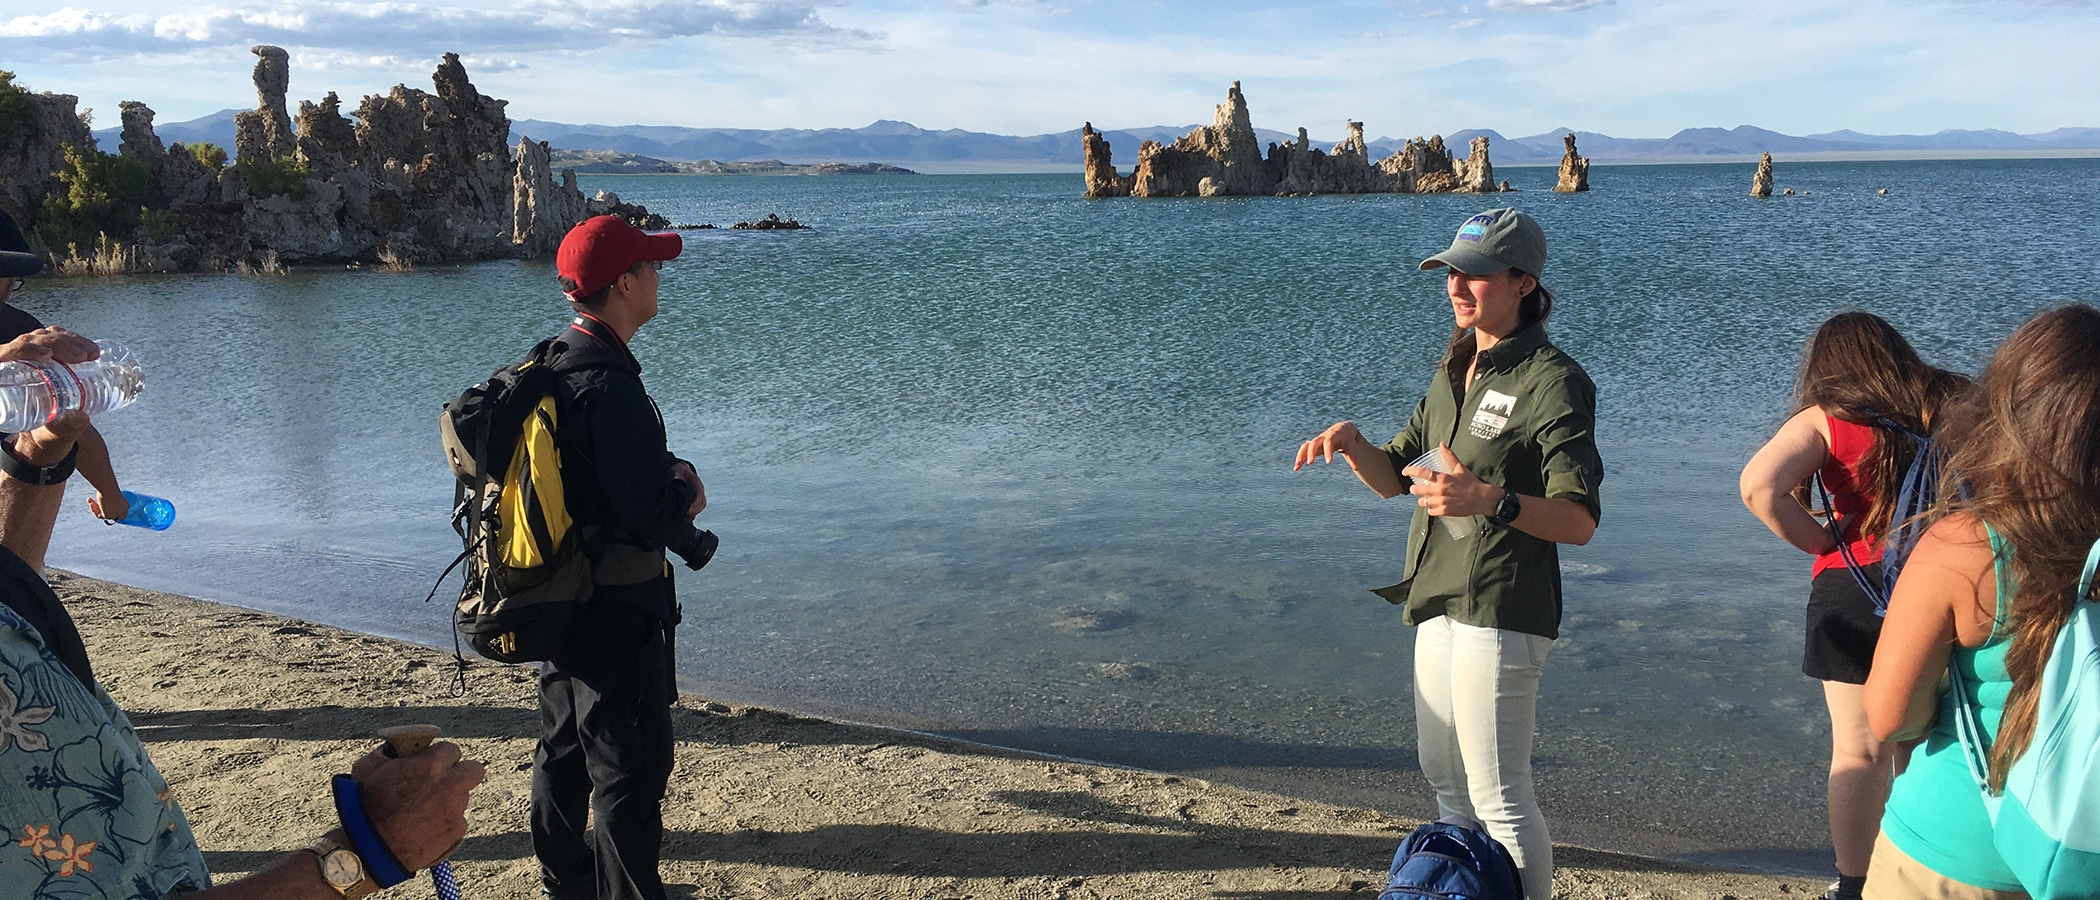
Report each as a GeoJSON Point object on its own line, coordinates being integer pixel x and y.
{"type": "Point", "coordinates": [248, 713]}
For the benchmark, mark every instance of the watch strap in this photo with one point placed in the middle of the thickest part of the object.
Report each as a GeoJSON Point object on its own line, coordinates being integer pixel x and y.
{"type": "Point", "coordinates": [23, 470]}
{"type": "Point", "coordinates": [380, 864]}
{"type": "Point", "coordinates": [1507, 509]}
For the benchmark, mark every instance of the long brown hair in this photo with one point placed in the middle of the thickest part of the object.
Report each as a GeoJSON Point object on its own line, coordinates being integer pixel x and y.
{"type": "Point", "coordinates": [2026, 444]}
{"type": "Point", "coordinates": [1860, 369]}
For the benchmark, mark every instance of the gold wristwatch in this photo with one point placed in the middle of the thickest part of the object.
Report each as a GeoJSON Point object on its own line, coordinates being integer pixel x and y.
{"type": "Point", "coordinates": [341, 867]}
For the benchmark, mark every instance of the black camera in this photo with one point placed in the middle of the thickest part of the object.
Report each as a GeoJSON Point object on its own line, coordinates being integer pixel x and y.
{"type": "Point", "coordinates": [697, 551]}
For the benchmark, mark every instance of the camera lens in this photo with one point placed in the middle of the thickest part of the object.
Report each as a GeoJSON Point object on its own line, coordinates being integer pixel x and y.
{"type": "Point", "coordinates": [700, 549]}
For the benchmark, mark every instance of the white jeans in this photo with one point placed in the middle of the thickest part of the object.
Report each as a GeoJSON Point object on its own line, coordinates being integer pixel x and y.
{"type": "Point", "coordinates": [1476, 708]}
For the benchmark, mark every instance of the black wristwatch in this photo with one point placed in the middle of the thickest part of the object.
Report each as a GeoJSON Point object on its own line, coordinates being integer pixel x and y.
{"type": "Point", "coordinates": [23, 470]}
{"type": "Point", "coordinates": [1507, 510]}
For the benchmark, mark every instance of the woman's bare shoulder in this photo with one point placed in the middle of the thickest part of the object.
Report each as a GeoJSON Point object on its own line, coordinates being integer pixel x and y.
{"type": "Point", "coordinates": [1959, 535]}
{"type": "Point", "coordinates": [1955, 561]}
{"type": "Point", "coordinates": [1815, 417]}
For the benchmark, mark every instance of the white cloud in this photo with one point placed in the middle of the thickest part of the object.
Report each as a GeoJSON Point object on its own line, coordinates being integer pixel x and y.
{"type": "Point", "coordinates": [393, 29]}
{"type": "Point", "coordinates": [688, 18]}
{"type": "Point", "coordinates": [393, 64]}
{"type": "Point", "coordinates": [65, 23]}
{"type": "Point", "coordinates": [1018, 67]}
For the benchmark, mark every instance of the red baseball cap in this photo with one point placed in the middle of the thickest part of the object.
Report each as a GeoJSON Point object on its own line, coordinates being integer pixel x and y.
{"type": "Point", "coordinates": [598, 249]}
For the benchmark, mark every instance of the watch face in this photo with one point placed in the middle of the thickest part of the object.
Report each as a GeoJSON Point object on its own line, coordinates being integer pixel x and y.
{"type": "Point", "coordinates": [342, 868]}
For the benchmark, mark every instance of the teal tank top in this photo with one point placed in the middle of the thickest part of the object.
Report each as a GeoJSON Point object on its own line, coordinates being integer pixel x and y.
{"type": "Point", "coordinates": [1935, 813]}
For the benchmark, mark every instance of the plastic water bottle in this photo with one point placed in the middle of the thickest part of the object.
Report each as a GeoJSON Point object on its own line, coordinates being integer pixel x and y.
{"type": "Point", "coordinates": [34, 393]}
{"type": "Point", "coordinates": [148, 511]}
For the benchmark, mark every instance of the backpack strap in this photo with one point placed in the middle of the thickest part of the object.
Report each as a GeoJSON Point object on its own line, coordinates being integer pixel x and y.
{"type": "Point", "coordinates": [1968, 710]}
{"type": "Point", "coordinates": [570, 362]}
{"type": "Point", "coordinates": [1875, 418]}
{"type": "Point", "coordinates": [1905, 526]}
{"type": "Point", "coordinates": [592, 538]}
{"type": "Point", "coordinates": [2085, 580]}
{"type": "Point", "coordinates": [1875, 592]}
{"type": "Point", "coordinates": [1921, 476]}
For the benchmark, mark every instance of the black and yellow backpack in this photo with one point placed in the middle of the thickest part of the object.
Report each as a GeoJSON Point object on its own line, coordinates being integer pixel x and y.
{"type": "Point", "coordinates": [526, 572]}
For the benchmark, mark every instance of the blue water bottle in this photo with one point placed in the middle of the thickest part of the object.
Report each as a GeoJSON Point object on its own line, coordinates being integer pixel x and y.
{"type": "Point", "coordinates": [148, 512]}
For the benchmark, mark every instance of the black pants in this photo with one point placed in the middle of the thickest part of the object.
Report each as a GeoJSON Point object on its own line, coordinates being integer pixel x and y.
{"type": "Point", "coordinates": [605, 746]}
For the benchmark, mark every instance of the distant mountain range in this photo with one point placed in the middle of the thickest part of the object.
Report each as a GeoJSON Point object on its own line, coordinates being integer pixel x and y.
{"type": "Point", "coordinates": [955, 150]}
{"type": "Point", "coordinates": [613, 162]}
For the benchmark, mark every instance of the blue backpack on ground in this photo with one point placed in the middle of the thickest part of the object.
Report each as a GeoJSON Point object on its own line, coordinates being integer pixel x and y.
{"type": "Point", "coordinates": [2046, 823]}
{"type": "Point", "coordinates": [1452, 859]}
{"type": "Point", "coordinates": [1920, 490]}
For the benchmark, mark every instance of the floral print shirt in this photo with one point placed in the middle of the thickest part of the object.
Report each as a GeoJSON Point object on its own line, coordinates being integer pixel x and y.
{"type": "Point", "coordinates": [83, 813]}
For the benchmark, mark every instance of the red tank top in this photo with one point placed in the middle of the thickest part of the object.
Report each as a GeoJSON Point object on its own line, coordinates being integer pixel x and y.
{"type": "Point", "coordinates": [1849, 444]}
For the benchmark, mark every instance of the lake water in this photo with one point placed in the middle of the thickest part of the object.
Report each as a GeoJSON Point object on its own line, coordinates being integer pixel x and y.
{"type": "Point", "coordinates": [963, 406]}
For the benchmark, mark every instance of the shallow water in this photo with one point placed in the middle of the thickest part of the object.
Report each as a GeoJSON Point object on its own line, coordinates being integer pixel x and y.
{"type": "Point", "coordinates": [995, 461]}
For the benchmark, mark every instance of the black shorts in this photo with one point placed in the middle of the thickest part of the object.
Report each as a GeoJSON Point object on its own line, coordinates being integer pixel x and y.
{"type": "Point", "coordinates": [1842, 626]}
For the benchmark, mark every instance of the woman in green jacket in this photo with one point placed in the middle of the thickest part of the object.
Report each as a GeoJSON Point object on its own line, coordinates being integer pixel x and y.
{"type": "Point", "coordinates": [1501, 451]}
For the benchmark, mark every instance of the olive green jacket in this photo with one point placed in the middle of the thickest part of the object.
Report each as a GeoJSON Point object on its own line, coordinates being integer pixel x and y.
{"type": "Point", "coordinates": [1527, 424]}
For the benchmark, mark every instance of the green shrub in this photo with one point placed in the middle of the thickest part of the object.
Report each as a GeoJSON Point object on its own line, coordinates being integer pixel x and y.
{"type": "Point", "coordinates": [160, 223]}
{"type": "Point", "coordinates": [105, 194]}
{"type": "Point", "coordinates": [211, 155]}
{"type": "Point", "coordinates": [17, 110]}
{"type": "Point", "coordinates": [283, 175]}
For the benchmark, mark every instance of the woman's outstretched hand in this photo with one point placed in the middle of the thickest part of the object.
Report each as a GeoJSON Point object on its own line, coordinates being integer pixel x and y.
{"type": "Point", "coordinates": [1341, 437]}
{"type": "Point", "coordinates": [1456, 494]}
{"type": "Point", "coordinates": [1374, 467]}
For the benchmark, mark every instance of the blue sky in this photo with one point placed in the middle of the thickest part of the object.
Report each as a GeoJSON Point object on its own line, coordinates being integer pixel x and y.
{"type": "Point", "coordinates": [1629, 68]}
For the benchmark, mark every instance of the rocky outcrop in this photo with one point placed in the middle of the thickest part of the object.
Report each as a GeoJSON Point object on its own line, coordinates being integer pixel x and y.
{"type": "Point", "coordinates": [420, 177]}
{"type": "Point", "coordinates": [1476, 175]}
{"type": "Point", "coordinates": [137, 138]}
{"type": "Point", "coordinates": [442, 177]}
{"type": "Point", "coordinates": [1221, 159]}
{"type": "Point", "coordinates": [1574, 168]}
{"type": "Point", "coordinates": [1422, 167]}
{"type": "Point", "coordinates": [265, 133]}
{"type": "Point", "coordinates": [607, 203]}
{"type": "Point", "coordinates": [1345, 168]}
{"type": "Point", "coordinates": [542, 210]}
{"type": "Point", "coordinates": [1101, 177]}
{"type": "Point", "coordinates": [31, 155]}
{"type": "Point", "coordinates": [772, 222]}
{"type": "Point", "coordinates": [1761, 183]}
{"type": "Point", "coordinates": [184, 184]}
{"type": "Point", "coordinates": [181, 179]}
{"type": "Point", "coordinates": [327, 141]}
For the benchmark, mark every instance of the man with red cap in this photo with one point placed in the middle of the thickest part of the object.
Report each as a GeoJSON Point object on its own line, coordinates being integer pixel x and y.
{"type": "Point", "coordinates": [606, 696]}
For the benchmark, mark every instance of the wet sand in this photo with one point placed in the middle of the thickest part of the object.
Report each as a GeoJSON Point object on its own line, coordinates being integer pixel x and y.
{"type": "Point", "coordinates": [248, 713]}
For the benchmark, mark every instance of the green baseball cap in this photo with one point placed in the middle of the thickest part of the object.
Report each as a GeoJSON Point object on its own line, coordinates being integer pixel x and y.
{"type": "Point", "coordinates": [1492, 241]}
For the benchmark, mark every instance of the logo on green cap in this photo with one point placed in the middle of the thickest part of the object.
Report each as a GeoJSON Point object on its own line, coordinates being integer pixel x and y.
{"type": "Point", "coordinates": [1475, 227]}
